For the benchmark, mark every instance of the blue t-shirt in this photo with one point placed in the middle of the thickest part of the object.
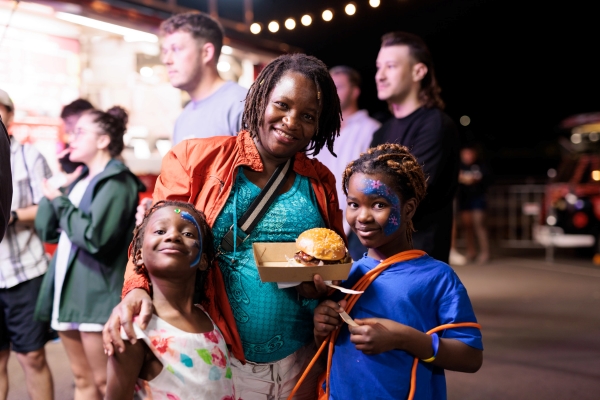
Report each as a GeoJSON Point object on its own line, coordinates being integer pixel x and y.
{"type": "Point", "coordinates": [273, 323]}
{"type": "Point", "coordinates": [422, 293]}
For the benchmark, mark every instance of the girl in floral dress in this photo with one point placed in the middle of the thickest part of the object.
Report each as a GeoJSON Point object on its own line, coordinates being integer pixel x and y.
{"type": "Point", "coordinates": [182, 354]}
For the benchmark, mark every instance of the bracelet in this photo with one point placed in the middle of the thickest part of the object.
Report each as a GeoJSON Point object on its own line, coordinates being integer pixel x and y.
{"type": "Point", "coordinates": [435, 343]}
{"type": "Point", "coordinates": [14, 217]}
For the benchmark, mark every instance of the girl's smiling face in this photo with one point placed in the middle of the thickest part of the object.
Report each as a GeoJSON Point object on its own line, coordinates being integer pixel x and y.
{"type": "Point", "coordinates": [171, 242]}
{"type": "Point", "coordinates": [377, 214]}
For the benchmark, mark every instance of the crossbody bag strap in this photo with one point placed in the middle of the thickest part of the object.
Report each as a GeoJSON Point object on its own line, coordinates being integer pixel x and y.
{"type": "Point", "coordinates": [235, 237]}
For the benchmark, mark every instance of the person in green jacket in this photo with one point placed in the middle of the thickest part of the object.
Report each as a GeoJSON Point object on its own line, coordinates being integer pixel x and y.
{"type": "Point", "coordinates": [92, 219]}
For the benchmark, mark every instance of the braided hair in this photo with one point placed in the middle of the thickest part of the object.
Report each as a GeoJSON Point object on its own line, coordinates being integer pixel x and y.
{"type": "Point", "coordinates": [207, 242]}
{"type": "Point", "coordinates": [397, 163]}
{"type": "Point", "coordinates": [330, 113]}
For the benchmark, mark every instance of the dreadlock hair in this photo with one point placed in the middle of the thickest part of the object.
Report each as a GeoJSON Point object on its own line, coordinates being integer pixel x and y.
{"type": "Point", "coordinates": [330, 113]}
{"type": "Point", "coordinates": [429, 94]}
{"type": "Point", "coordinates": [207, 242]}
{"type": "Point", "coordinates": [397, 163]}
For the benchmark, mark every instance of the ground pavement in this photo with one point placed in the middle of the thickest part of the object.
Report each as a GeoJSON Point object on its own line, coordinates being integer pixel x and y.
{"type": "Point", "coordinates": [541, 332]}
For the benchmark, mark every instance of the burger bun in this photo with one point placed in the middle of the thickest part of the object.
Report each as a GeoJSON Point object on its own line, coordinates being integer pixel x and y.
{"type": "Point", "coordinates": [322, 243]}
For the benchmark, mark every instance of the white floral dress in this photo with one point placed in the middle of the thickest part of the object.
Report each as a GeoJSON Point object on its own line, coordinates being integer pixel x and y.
{"type": "Point", "coordinates": [195, 365]}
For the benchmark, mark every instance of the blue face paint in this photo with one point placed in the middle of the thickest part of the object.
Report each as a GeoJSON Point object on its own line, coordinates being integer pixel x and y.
{"type": "Point", "coordinates": [188, 217]}
{"type": "Point", "coordinates": [377, 188]}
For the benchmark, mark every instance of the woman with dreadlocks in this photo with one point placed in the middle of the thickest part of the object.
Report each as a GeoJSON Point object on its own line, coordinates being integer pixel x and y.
{"type": "Point", "coordinates": [414, 294]}
{"type": "Point", "coordinates": [291, 109]}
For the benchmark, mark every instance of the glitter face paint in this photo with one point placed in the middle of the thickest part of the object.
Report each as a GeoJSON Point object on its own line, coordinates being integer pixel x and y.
{"type": "Point", "coordinates": [377, 188]}
{"type": "Point", "coordinates": [188, 217]}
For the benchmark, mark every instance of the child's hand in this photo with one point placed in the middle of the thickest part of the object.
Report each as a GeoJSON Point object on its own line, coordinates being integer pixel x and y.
{"type": "Point", "coordinates": [327, 318]}
{"type": "Point", "coordinates": [376, 335]}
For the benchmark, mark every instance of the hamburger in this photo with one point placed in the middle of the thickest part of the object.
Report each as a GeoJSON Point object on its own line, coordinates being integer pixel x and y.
{"type": "Point", "coordinates": [320, 246]}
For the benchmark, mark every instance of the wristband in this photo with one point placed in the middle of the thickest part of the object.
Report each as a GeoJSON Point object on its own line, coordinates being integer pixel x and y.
{"type": "Point", "coordinates": [14, 217]}
{"type": "Point", "coordinates": [435, 343]}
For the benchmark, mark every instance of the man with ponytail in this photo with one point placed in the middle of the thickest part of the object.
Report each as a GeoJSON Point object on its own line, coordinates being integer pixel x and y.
{"type": "Point", "coordinates": [406, 81]}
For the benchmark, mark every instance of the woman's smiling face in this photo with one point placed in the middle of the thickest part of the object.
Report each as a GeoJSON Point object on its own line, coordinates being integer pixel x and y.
{"type": "Point", "coordinates": [291, 117]}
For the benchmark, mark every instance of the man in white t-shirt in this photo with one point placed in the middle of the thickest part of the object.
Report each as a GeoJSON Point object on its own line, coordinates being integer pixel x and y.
{"type": "Point", "coordinates": [191, 45]}
{"type": "Point", "coordinates": [356, 132]}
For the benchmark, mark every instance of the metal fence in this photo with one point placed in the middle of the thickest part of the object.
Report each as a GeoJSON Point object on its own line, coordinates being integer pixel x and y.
{"type": "Point", "coordinates": [513, 212]}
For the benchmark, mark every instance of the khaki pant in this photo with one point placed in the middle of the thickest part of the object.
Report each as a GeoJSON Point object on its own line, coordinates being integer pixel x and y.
{"type": "Point", "coordinates": [275, 381]}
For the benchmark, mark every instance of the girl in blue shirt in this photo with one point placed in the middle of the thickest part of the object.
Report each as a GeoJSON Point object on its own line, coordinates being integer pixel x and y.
{"type": "Point", "coordinates": [384, 187]}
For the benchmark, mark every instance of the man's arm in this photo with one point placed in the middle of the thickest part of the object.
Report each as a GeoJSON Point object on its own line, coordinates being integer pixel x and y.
{"type": "Point", "coordinates": [435, 146]}
{"type": "Point", "coordinates": [6, 190]}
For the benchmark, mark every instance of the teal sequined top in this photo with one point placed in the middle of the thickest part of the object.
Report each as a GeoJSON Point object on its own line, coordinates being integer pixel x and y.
{"type": "Point", "coordinates": [273, 323]}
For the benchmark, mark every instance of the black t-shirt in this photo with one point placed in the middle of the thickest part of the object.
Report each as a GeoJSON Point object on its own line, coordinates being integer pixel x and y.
{"type": "Point", "coordinates": [5, 180]}
{"type": "Point", "coordinates": [481, 173]}
{"type": "Point", "coordinates": [432, 137]}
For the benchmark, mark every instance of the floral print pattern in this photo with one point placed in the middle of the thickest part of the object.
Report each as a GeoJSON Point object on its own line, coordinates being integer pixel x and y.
{"type": "Point", "coordinates": [196, 365]}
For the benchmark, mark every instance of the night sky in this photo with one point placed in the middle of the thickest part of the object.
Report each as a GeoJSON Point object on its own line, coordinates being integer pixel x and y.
{"type": "Point", "coordinates": [516, 68]}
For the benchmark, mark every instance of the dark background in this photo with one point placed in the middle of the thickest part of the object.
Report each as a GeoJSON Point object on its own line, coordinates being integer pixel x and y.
{"type": "Point", "coordinates": [516, 68]}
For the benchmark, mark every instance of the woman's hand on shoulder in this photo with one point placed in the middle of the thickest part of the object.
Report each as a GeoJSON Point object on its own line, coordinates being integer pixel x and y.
{"type": "Point", "coordinates": [327, 319]}
{"type": "Point", "coordinates": [137, 302]}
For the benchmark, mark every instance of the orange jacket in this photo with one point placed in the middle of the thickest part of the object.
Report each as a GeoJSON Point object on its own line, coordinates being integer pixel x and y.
{"type": "Point", "coordinates": [202, 172]}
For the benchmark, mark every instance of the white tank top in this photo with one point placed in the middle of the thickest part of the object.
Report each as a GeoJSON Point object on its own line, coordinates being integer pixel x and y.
{"type": "Point", "coordinates": [195, 365]}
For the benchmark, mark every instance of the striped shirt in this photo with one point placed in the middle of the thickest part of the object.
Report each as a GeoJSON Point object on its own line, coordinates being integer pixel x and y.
{"type": "Point", "coordinates": [22, 254]}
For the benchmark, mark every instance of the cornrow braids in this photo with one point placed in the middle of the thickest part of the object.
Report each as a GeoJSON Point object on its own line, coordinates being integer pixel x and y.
{"type": "Point", "coordinates": [396, 162]}
{"type": "Point", "coordinates": [330, 113]}
{"type": "Point", "coordinates": [207, 242]}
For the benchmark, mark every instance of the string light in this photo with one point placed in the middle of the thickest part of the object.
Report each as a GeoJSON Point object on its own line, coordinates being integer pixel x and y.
{"type": "Point", "coordinates": [350, 9]}
{"type": "Point", "coordinates": [290, 23]}
{"type": "Point", "coordinates": [273, 26]}
{"type": "Point", "coordinates": [307, 19]}
{"type": "Point", "coordinates": [255, 28]}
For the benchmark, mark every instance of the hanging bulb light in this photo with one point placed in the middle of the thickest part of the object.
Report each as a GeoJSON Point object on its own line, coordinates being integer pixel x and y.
{"type": "Point", "coordinates": [255, 28]}
{"type": "Point", "coordinates": [273, 26]}
{"type": "Point", "coordinates": [290, 23]}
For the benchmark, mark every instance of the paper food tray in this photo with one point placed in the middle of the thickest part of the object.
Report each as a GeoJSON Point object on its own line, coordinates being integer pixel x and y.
{"type": "Point", "coordinates": [272, 262]}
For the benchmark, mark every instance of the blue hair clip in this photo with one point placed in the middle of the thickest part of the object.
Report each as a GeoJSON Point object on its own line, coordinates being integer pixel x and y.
{"type": "Point", "coordinates": [188, 217]}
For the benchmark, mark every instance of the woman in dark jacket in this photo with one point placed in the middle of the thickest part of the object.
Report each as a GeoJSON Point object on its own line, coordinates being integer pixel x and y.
{"type": "Point", "coordinates": [92, 220]}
